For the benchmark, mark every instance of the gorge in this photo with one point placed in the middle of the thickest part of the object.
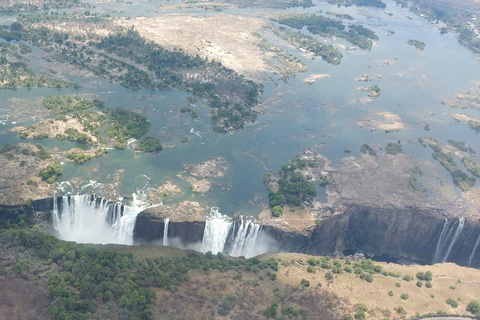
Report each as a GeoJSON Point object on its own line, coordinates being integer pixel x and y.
{"type": "Point", "coordinates": [408, 235]}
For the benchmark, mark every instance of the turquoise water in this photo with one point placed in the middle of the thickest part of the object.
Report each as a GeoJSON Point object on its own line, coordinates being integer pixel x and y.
{"type": "Point", "coordinates": [412, 85]}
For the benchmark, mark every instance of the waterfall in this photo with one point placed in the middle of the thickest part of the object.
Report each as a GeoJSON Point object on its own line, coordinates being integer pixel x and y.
{"type": "Point", "coordinates": [221, 229]}
{"type": "Point", "coordinates": [469, 262]}
{"type": "Point", "coordinates": [217, 228]}
{"type": "Point", "coordinates": [461, 223]}
{"type": "Point", "coordinates": [87, 219]}
{"type": "Point", "coordinates": [165, 231]}
{"type": "Point", "coordinates": [441, 242]}
{"type": "Point", "coordinates": [243, 242]}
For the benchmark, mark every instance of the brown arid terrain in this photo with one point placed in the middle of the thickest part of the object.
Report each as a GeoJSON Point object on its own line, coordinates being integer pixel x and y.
{"type": "Point", "coordinates": [316, 291]}
{"type": "Point", "coordinates": [226, 38]}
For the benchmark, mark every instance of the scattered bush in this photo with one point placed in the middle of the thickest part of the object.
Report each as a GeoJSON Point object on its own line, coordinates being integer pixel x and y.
{"type": "Point", "coordinates": [452, 303]}
{"type": "Point", "coordinates": [404, 296]}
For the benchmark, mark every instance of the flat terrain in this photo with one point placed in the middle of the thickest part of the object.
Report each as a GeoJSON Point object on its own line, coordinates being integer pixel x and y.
{"type": "Point", "coordinates": [226, 38]}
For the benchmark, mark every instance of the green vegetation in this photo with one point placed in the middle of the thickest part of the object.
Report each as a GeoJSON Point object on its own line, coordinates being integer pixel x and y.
{"type": "Point", "coordinates": [417, 44]}
{"type": "Point", "coordinates": [393, 148]}
{"type": "Point", "coordinates": [367, 149]}
{"type": "Point", "coordinates": [425, 276]}
{"type": "Point", "coordinates": [192, 111]}
{"type": "Point", "coordinates": [81, 157]}
{"type": "Point", "coordinates": [125, 124]}
{"type": "Point", "coordinates": [17, 74]}
{"type": "Point", "coordinates": [474, 308]}
{"type": "Point", "coordinates": [149, 144]}
{"type": "Point", "coordinates": [452, 303]}
{"type": "Point", "coordinates": [404, 296]}
{"type": "Point", "coordinates": [299, 40]}
{"type": "Point", "coordinates": [13, 6]}
{"type": "Point", "coordinates": [327, 27]}
{"type": "Point", "coordinates": [294, 188]}
{"type": "Point", "coordinates": [471, 166]}
{"type": "Point", "coordinates": [85, 282]}
{"type": "Point", "coordinates": [463, 180]}
{"type": "Point", "coordinates": [460, 145]}
{"type": "Point", "coordinates": [359, 3]}
{"type": "Point", "coordinates": [75, 135]}
{"type": "Point", "coordinates": [131, 60]}
{"type": "Point", "coordinates": [51, 173]}
{"type": "Point", "coordinates": [66, 104]}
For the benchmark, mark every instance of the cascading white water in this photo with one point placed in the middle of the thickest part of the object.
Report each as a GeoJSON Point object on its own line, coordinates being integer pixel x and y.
{"type": "Point", "coordinates": [469, 261]}
{"type": "Point", "coordinates": [461, 223]}
{"type": "Point", "coordinates": [441, 242]}
{"type": "Point", "coordinates": [165, 231]}
{"type": "Point", "coordinates": [83, 219]}
{"type": "Point", "coordinates": [220, 230]}
{"type": "Point", "coordinates": [243, 243]}
{"type": "Point", "coordinates": [217, 228]}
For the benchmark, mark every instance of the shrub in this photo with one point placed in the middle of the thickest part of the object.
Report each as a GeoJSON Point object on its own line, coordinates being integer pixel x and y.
{"type": "Point", "coordinates": [473, 307]}
{"type": "Point", "coordinates": [404, 296]}
{"type": "Point", "coordinates": [271, 312]}
{"type": "Point", "coordinates": [305, 283]}
{"type": "Point", "coordinates": [311, 269]}
{"type": "Point", "coordinates": [277, 211]}
{"type": "Point", "coordinates": [329, 276]}
{"type": "Point", "coordinates": [452, 303]}
{"type": "Point", "coordinates": [390, 293]}
{"type": "Point", "coordinates": [397, 284]}
{"type": "Point", "coordinates": [369, 278]}
{"type": "Point", "coordinates": [51, 173]}
{"type": "Point", "coordinates": [407, 278]}
{"type": "Point", "coordinates": [428, 284]}
{"type": "Point", "coordinates": [149, 144]}
{"type": "Point", "coordinates": [419, 284]}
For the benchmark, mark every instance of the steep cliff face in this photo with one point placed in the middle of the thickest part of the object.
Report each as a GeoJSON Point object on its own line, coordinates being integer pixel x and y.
{"type": "Point", "coordinates": [149, 228]}
{"type": "Point", "coordinates": [403, 234]}
{"type": "Point", "coordinates": [411, 234]}
{"type": "Point", "coordinates": [408, 234]}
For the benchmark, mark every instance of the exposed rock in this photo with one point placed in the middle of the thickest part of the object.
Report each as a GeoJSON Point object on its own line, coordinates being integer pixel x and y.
{"type": "Point", "coordinates": [19, 179]}
{"type": "Point", "coordinates": [212, 168]}
{"type": "Point", "coordinates": [200, 186]}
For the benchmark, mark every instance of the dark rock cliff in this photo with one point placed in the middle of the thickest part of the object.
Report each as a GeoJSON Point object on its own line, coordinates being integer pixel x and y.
{"type": "Point", "coordinates": [149, 228]}
{"type": "Point", "coordinates": [409, 234]}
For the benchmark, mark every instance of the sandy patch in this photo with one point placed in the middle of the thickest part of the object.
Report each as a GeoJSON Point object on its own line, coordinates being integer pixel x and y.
{"type": "Point", "coordinates": [388, 122]}
{"type": "Point", "coordinates": [463, 117]}
{"type": "Point", "coordinates": [225, 38]}
{"type": "Point", "coordinates": [314, 77]}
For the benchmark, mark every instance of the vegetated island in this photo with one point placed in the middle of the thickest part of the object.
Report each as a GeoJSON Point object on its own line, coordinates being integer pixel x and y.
{"type": "Point", "coordinates": [460, 17]}
{"type": "Point", "coordinates": [135, 63]}
{"type": "Point", "coordinates": [328, 27]}
{"type": "Point", "coordinates": [359, 3]}
{"type": "Point", "coordinates": [417, 44]}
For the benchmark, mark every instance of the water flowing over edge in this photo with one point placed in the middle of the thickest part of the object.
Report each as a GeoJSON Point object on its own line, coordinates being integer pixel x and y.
{"type": "Point", "coordinates": [88, 219]}
{"type": "Point", "coordinates": [91, 219]}
{"type": "Point", "coordinates": [448, 238]}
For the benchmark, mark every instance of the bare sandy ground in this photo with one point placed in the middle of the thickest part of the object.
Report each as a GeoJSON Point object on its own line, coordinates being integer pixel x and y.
{"type": "Point", "coordinates": [385, 121]}
{"type": "Point", "coordinates": [314, 77]}
{"type": "Point", "coordinates": [226, 38]}
{"type": "Point", "coordinates": [449, 281]}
